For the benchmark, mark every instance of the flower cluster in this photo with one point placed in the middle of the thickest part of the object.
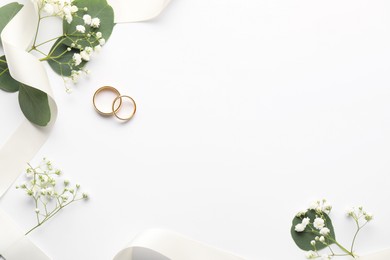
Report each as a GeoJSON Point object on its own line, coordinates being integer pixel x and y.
{"type": "Point", "coordinates": [90, 41]}
{"type": "Point", "coordinates": [61, 8]}
{"type": "Point", "coordinates": [48, 195]}
{"type": "Point", "coordinates": [81, 43]}
{"type": "Point", "coordinates": [359, 214]}
{"type": "Point", "coordinates": [313, 231]}
{"type": "Point", "coordinates": [95, 42]}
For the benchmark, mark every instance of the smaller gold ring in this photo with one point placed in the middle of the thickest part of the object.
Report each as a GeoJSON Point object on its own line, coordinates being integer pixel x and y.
{"type": "Point", "coordinates": [120, 98]}
{"type": "Point", "coordinates": [110, 89]}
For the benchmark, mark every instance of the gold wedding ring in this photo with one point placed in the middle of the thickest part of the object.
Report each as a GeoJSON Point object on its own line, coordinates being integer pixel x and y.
{"type": "Point", "coordinates": [115, 107]}
{"type": "Point", "coordinates": [108, 89]}
{"type": "Point", "coordinates": [120, 100]}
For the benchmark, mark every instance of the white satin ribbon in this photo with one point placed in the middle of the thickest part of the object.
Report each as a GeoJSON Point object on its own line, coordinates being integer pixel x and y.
{"type": "Point", "coordinates": [14, 244]}
{"type": "Point", "coordinates": [381, 255]}
{"type": "Point", "coordinates": [26, 141]}
{"type": "Point", "coordinates": [22, 146]}
{"type": "Point", "coordinates": [127, 11]}
{"type": "Point", "coordinates": [158, 244]}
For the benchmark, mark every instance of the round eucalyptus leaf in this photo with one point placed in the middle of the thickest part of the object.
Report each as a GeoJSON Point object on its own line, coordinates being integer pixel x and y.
{"type": "Point", "coordinates": [7, 83]}
{"type": "Point", "coordinates": [60, 59]}
{"type": "Point", "coordinates": [303, 239]}
{"type": "Point", "coordinates": [7, 12]}
{"type": "Point", "coordinates": [34, 104]}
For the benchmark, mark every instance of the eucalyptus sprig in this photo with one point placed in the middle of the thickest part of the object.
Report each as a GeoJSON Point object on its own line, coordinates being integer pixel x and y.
{"type": "Point", "coordinates": [87, 25]}
{"type": "Point", "coordinates": [48, 194]}
{"type": "Point", "coordinates": [312, 230]}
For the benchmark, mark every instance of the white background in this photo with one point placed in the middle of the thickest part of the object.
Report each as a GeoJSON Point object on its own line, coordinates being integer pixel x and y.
{"type": "Point", "coordinates": [247, 111]}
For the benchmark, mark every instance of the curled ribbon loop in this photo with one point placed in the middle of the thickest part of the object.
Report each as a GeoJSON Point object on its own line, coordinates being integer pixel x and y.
{"type": "Point", "coordinates": [160, 244]}
{"type": "Point", "coordinates": [26, 141]}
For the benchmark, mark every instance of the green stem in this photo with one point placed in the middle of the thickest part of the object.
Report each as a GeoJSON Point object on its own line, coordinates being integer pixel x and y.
{"type": "Point", "coordinates": [334, 241]}
{"type": "Point", "coordinates": [42, 43]}
{"type": "Point", "coordinates": [54, 57]}
{"type": "Point", "coordinates": [37, 50]}
{"type": "Point", "coordinates": [51, 214]}
{"type": "Point", "coordinates": [4, 71]}
{"type": "Point", "coordinates": [39, 23]}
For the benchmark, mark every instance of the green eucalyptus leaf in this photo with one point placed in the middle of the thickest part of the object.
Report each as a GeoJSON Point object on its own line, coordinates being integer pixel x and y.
{"type": "Point", "coordinates": [7, 83]}
{"type": "Point", "coordinates": [303, 239]}
{"type": "Point", "coordinates": [95, 8]}
{"type": "Point", "coordinates": [61, 60]}
{"type": "Point", "coordinates": [34, 104]}
{"type": "Point", "coordinates": [8, 12]}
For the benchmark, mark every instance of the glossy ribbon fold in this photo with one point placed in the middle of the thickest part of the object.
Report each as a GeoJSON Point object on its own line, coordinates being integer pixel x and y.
{"type": "Point", "coordinates": [127, 11]}
{"type": "Point", "coordinates": [158, 244]}
{"type": "Point", "coordinates": [26, 141]}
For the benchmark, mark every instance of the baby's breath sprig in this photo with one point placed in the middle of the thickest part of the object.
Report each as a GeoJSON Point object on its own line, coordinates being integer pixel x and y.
{"type": "Point", "coordinates": [312, 230]}
{"type": "Point", "coordinates": [49, 196]}
{"type": "Point", "coordinates": [80, 39]}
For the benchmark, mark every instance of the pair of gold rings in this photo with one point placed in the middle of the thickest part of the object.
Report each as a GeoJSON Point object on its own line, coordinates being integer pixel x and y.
{"type": "Point", "coordinates": [116, 103]}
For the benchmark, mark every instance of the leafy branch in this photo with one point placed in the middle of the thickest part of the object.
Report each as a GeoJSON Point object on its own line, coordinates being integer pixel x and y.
{"type": "Point", "coordinates": [312, 230]}
{"type": "Point", "coordinates": [87, 25]}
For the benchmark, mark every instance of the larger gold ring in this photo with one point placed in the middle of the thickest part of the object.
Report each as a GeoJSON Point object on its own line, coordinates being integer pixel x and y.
{"type": "Point", "coordinates": [120, 99]}
{"type": "Point", "coordinates": [110, 89]}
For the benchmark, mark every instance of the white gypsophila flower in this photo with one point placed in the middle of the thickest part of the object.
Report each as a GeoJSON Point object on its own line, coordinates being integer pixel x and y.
{"type": "Point", "coordinates": [305, 221]}
{"type": "Point", "coordinates": [313, 204]}
{"type": "Point", "coordinates": [99, 35]}
{"type": "Point", "coordinates": [77, 59]}
{"type": "Point", "coordinates": [80, 28]}
{"type": "Point", "coordinates": [322, 239]}
{"type": "Point", "coordinates": [326, 207]}
{"type": "Point", "coordinates": [311, 254]}
{"type": "Point", "coordinates": [68, 90]}
{"type": "Point", "coordinates": [75, 77]}
{"type": "Point", "coordinates": [319, 223]}
{"type": "Point", "coordinates": [67, 10]}
{"type": "Point", "coordinates": [88, 50]}
{"type": "Point", "coordinates": [49, 9]}
{"type": "Point", "coordinates": [97, 48]}
{"type": "Point", "coordinates": [324, 231]}
{"type": "Point", "coordinates": [69, 18]}
{"type": "Point", "coordinates": [74, 9]}
{"type": "Point", "coordinates": [368, 216]}
{"type": "Point", "coordinates": [300, 227]}
{"type": "Point", "coordinates": [95, 22]}
{"type": "Point", "coordinates": [85, 56]}
{"type": "Point", "coordinates": [313, 242]}
{"type": "Point", "coordinates": [350, 212]}
{"type": "Point", "coordinates": [87, 19]}
{"type": "Point", "coordinates": [102, 41]}
{"type": "Point", "coordinates": [29, 174]}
